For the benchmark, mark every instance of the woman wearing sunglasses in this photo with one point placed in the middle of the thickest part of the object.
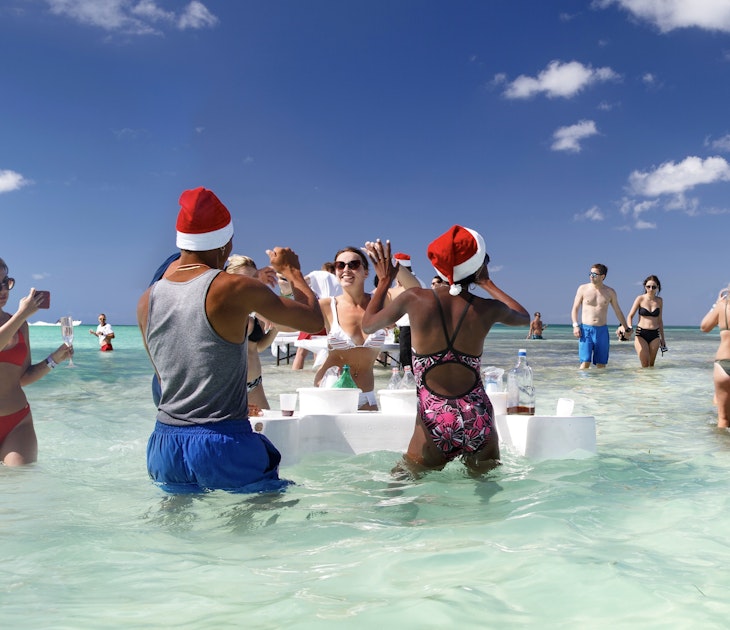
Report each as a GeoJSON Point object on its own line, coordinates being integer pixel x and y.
{"type": "Point", "coordinates": [18, 443]}
{"type": "Point", "coordinates": [650, 329]}
{"type": "Point", "coordinates": [346, 341]}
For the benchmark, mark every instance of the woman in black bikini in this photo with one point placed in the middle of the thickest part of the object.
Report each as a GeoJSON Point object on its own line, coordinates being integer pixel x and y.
{"type": "Point", "coordinates": [718, 316]}
{"type": "Point", "coordinates": [650, 329]}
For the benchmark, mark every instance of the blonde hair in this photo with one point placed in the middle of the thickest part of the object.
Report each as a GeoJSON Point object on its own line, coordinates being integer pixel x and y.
{"type": "Point", "coordinates": [237, 261]}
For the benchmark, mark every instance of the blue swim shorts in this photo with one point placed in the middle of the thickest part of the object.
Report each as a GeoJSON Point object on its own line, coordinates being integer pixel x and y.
{"type": "Point", "coordinates": [225, 455]}
{"type": "Point", "coordinates": [593, 344]}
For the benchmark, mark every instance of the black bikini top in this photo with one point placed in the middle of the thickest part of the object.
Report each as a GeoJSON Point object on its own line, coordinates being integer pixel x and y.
{"type": "Point", "coordinates": [257, 334]}
{"type": "Point", "coordinates": [644, 313]}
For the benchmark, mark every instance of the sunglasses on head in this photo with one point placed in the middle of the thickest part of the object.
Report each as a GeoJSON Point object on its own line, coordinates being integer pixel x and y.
{"type": "Point", "coordinates": [350, 264]}
{"type": "Point", "coordinates": [7, 283]}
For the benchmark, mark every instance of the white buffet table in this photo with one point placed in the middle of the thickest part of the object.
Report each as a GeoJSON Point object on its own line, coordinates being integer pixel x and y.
{"type": "Point", "coordinates": [536, 437]}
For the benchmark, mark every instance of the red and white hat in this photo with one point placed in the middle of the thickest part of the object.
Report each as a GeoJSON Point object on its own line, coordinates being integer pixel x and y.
{"type": "Point", "coordinates": [456, 255]}
{"type": "Point", "coordinates": [203, 222]}
{"type": "Point", "coordinates": [403, 259]}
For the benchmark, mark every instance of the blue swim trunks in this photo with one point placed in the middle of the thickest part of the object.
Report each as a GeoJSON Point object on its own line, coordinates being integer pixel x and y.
{"type": "Point", "coordinates": [593, 344]}
{"type": "Point", "coordinates": [225, 455]}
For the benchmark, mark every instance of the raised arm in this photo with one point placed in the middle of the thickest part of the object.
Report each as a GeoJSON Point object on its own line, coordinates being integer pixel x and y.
{"type": "Point", "coordinates": [517, 314]}
{"type": "Point", "coordinates": [382, 312]}
{"type": "Point", "coordinates": [712, 318]}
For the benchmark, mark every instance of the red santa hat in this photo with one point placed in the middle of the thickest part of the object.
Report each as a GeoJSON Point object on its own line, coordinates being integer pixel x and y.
{"type": "Point", "coordinates": [457, 254]}
{"type": "Point", "coordinates": [203, 222]}
{"type": "Point", "coordinates": [403, 259]}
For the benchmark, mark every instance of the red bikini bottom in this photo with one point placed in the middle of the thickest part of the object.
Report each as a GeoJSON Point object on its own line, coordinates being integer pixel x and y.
{"type": "Point", "coordinates": [9, 422]}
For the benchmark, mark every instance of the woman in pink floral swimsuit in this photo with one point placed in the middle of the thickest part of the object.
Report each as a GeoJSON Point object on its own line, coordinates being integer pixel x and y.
{"type": "Point", "coordinates": [454, 412]}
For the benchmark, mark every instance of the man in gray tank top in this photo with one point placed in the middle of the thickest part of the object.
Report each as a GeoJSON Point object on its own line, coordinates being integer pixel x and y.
{"type": "Point", "coordinates": [194, 323]}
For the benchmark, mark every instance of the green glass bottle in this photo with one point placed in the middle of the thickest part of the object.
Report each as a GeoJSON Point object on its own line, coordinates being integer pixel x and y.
{"type": "Point", "coordinates": [345, 380]}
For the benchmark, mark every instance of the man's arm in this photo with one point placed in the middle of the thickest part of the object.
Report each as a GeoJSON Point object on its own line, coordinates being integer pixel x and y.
{"type": "Point", "coordinates": [574, 311]}
{"type": "Point", "coordinates": [618, 311]}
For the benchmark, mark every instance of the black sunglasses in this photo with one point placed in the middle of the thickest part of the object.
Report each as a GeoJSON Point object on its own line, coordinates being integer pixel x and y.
{"type": "Point", "coordinates": [351, 264]}
{"type": "Point", "coordinates": [7, 283]}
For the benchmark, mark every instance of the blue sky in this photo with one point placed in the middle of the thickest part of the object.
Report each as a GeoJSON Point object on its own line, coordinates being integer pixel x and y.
{"type": "Point", "coordinates": [566, 132]}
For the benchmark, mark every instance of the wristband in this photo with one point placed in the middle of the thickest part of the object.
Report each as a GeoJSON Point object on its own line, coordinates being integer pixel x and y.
{"type": "Point", "coordinates": [576, 325]}
{"type": "Point", "coordinates": [50, 362]}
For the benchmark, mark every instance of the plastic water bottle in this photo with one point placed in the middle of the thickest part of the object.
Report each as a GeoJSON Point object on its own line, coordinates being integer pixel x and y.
{"type": "Point", "coordinates": [345, 381]}
{"type": "Point", "coordinates": [408, 381]}
{"type": "Point", "coordinates": [395, 379]}
{"type": "Point", "coordinates": [520, 391]}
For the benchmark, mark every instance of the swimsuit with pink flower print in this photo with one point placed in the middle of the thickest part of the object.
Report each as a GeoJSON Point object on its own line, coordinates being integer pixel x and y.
{"type": "Point", "coordinates": [458, 425]}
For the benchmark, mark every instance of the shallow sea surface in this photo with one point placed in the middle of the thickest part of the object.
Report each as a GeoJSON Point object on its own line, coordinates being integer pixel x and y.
{"type": "Point", "coordinates": [633, 537]}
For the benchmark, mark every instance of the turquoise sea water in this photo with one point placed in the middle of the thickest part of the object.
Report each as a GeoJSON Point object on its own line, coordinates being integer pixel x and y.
{"type": "Point", "coordinates": [634, 537]}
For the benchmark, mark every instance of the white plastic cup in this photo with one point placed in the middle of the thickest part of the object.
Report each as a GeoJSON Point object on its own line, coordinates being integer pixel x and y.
{"type": "Point", "coordinates": [288, 403]}
{"type": "Point", "coordinates": [499, 402]}
{"type": "Point", "coordinates": [565, 407]}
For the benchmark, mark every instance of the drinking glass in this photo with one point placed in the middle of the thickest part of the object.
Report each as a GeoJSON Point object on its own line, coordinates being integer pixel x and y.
{"type": "Point", "coordinates": [67, 332]}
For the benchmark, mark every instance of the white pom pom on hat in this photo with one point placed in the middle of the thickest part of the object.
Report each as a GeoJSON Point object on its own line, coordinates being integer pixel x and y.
{"type": "Point", "coordinates": [456, 254]}
{"type": "Point", "coordinates": [203, 222]}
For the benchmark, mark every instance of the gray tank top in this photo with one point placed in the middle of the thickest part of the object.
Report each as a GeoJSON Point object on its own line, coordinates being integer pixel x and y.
{"type": "Point", "coordinates": [203, 376]}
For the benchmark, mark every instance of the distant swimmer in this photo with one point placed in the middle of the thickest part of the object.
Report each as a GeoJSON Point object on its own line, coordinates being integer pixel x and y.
{"type": "Point", "coordinates": [536, 327]}
{"type": "Point", "coordinates": [105, 334]}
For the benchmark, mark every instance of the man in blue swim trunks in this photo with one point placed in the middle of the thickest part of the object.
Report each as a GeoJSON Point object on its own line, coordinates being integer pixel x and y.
{"type": "Point", "coordinates": [194, 324]}
{"type": "Point", "coordinates": [592, 299]}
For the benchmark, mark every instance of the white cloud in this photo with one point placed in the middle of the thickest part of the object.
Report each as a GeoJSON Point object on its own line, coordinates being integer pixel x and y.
{"type": "Point", "coordinates": [10, 181]}
{"type": "Point", "coordinates": [196, 15]}
{"type": "Point", "coordinates": [135, 18]}
{"type": "Point", "coordinates": [721, 144]}
{"type": "Point", "coordinates": [680, 202]}
{"type": "Point", "coordinates": [670, 178]}
{"type": "Point", "coordinates": [127, 133]}
{"type": "Point", "coordinates": [559, 80]}
{"type": "Point", "coordinates": [644, 225]}
{"type": "Point", "coordinates": [667, 15]}
{"type": "Point", "coordinates": [568, 138]}
{"type": "Point", "coordinates": [592, 214]}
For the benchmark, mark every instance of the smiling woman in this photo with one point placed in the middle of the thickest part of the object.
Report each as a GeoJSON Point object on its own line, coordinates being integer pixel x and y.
{"type": "Point", "coordinates": [346, 341]}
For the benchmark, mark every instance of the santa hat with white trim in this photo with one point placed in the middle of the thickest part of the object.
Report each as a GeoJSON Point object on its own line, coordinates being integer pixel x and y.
{"type": "Point", "coordinates": [403, 259]}
{"type": "Point", "coordinates": [457, 254]}
{"type": "Point", "coordinates": [203, 222]}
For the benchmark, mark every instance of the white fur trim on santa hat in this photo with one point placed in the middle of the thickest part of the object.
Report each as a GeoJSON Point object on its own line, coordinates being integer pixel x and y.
{"type": "Point", "coordinates": [206, 241]}
{"type": "Point", "coordinates": [468, 267]}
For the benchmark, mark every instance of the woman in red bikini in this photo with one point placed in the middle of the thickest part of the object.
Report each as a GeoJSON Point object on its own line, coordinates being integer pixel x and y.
{"type": "Point", "coordinates": [18, 444]}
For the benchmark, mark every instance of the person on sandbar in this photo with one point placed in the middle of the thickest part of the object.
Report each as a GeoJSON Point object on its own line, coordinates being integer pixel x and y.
{"type": "Point", "coordinates": [448, 327]}
{"type": "Point", "coordinates": [346, 341]}
{"type": "Point", "coordinates": [593, 299]}
{"type": "Point", "coordinates": [194, 323]}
